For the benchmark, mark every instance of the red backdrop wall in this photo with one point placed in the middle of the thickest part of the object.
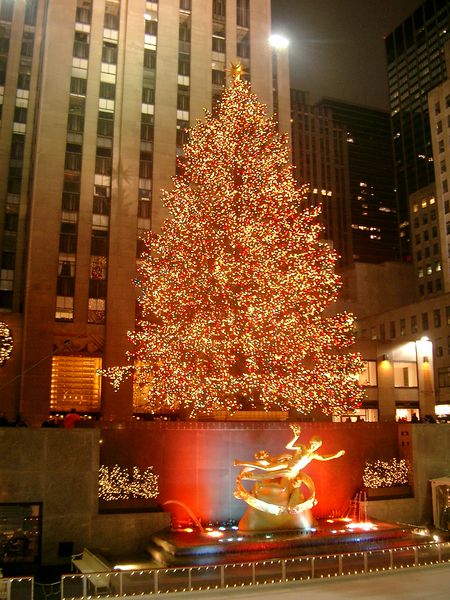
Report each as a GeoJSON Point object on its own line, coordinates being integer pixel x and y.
{"type": "Point", "coordinates": [194, 461]}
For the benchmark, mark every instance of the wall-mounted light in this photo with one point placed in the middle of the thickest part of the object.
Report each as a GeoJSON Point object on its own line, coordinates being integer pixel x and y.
{"type": "Point", "coordinates": [384, 357]}
{"type": "Point", "coordinates": [425, 359]}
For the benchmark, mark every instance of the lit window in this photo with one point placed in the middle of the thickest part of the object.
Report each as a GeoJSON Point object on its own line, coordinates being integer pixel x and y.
{"type": "Point", "coordinates": [75, 383]}
{"type": "Point", "coordinates": [405, 374]}
{"type": "Point", "coordinates": [369, 374]}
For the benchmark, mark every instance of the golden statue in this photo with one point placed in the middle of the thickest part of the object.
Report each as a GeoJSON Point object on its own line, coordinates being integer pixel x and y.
{"type": "Point", "coordinates": [276, 500]}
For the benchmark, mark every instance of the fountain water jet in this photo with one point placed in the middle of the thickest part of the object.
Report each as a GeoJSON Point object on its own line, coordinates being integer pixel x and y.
{"type": "Point", "coordinates": [189, 512]}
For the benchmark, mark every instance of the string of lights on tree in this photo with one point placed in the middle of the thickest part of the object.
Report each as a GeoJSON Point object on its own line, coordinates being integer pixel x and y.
{"type": "Point", "coordinates": [386, 473]}
{"type": "Point", "coordinates": [6, 343]}
{"type": "Point", "coordinates": [123, 483]}
{"type": "Point", "coordinates": [235, 287]}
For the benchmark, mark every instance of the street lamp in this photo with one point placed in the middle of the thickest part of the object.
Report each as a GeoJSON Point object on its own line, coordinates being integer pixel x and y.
{"type": "Point", "coordinates": [279, 42]}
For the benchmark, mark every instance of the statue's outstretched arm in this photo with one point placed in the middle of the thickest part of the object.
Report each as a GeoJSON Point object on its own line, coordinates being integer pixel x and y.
{"type": "Point", "coordinates": [328, 456]}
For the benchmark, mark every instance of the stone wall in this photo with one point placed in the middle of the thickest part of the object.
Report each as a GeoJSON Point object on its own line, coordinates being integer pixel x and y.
{"type": "Point", "coordinates": [430, 454]}
{"type": "Point", "coordinates": [59, 468]}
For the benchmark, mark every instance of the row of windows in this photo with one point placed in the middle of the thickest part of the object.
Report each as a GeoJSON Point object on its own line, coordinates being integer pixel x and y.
{"type": "Point", "coordinates": [416, 323]}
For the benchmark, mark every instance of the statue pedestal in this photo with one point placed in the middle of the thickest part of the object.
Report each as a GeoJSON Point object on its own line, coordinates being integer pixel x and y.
{"type": "Point", "coordinates": [277, 495]}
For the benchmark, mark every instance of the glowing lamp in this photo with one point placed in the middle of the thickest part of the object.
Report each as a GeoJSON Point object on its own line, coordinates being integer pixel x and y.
{"type": "Point", "coordinates": [279, 42]}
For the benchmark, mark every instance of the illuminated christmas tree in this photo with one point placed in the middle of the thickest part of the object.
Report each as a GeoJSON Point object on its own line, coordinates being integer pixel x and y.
{"type": "Point", "coordinates": [233, 291]}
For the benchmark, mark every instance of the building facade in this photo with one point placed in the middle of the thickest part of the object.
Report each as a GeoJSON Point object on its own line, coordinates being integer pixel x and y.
{"type": "Point", "coordinates": [320, 157]}
{"type": "Point", "coordinates": [415, 65]}
{"type": "Point", "coordinates": [95, 99]}
{"type": "Point", "coordinates": [371, 180]}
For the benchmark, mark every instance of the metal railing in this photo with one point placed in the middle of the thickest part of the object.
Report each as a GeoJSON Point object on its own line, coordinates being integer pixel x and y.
{"type": "Point", "coordinates": [16, 588]}
{"type": "Point", "coordinates": [155, 581]}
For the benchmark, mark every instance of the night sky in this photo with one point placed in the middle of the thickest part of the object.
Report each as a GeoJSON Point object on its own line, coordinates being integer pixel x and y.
{"type": "Point", "coordinates": [337, 46]}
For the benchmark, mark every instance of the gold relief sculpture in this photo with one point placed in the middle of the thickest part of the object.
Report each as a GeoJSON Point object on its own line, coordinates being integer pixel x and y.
{"type": "Point", "coordinates": [277, 499]}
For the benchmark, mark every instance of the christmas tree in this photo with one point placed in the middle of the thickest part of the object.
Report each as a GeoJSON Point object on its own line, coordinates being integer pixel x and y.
{"type": "Point", "coordinates": [234, 288]}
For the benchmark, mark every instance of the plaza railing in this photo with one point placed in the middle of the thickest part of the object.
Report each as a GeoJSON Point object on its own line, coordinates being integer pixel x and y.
{"type": "Point", "coordinates": [16, 588]}
{"type": "Point", "coordinates": [179, 579]}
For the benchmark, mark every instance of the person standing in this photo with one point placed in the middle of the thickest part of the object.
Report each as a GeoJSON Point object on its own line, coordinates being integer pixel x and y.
{"type": "Point", "coordinates": [71, 419]}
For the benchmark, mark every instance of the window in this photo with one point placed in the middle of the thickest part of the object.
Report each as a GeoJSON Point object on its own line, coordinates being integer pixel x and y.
{"type": "Point", "coordinates": [382, 331]}
{"type": "Point", "coordinates": [402, 326]}
{"type": "Point", "coordinates": [78, 86]}
{"type": "Point", "coordinates": [437, 317]}
{"type": "Point", "coordinates": [105, 124]}
{"type": "Point", "coordinates": [219, 8]}
{"type": "Point", "coordinates": [183, 100]}
{"type": "Point", "coordinates": [437, 108]}
{"type": "Point", "coordinates": [100, 205]}
{"type": "Point", "coordinates": [83, 15]}
{"type": "Point", "coordinates": [148, 95]}
{"type": "Point", "coordinates": [218, 44]}
{"type": "Point", "coordinates": [68, 238]}
{"type": "Point", "coordinates": [184, 34]}
{"type": "Point", "coordinates": [23, 81]}
{"type": "Point", "coordinates": [439, 127]}
{"type": "Point", "coordinates": [405, 374]}
{"type": "Point", "coordinates": [20, 114]}
{"type": "Point", "coordinates": [96, 310]}
{"type": "Point", "coordinates": [27, 44]}
{"type": "Point", "coordinates": [368, 376]}
{"type": "Point", "coordinates": [445, 190]}
{"type": "Point", "coordinates": [444, 377]}
{"type": "Point", "coordinates": [75, 383]}
{"type": "Point", "coordinates": [149, 59]}
{"type": "Point", "coordinates": [147, 128]}
{"type": "Point", "coordinates": [99, 243]}
{"type": "Point", "coordinates": [414, 328]}
{"type": "Point", "coordinates": [151, 27]}
{"type": "Point", "coordinates": [107, 90]}
{"type": "Point", "coordinates": [424, 321]}
{"type": "Point", "coordinates": [6, 10]}
{"type": "Point", "coordinates": [392, 332]}
{"type": "Point", "coordinates": [218, 77]}
{"type": "Point", "coordinates": [111, 21]}
{"type": "Point", "coordinates": [109, 53]}
{"type": "Point", "coordinates": [103, 164]}
{"type": "Point", "coordinates": [72, 161]}
{"type": "Point", "coordinates": [81, 45]}
{"type": "Point", "coordinates": [443, 166]}
{"type": "Point", "coordinates": [75, 123]}
{"type": "Point", "coordinates": [243, 13]}
{"type": "Point", "coordinates": [184, 65]}
{"type": "Point", "coordinates": [64, 308]}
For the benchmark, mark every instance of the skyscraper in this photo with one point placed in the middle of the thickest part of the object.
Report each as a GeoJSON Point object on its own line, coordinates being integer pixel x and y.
{"type": "Point", "coordinates": [320, 156]}
{"type": "Point", "coordinates": [415, 65]}
{"type": "Point", "coordinates": [344, 151]}
{"type": "Point", "coordinates": [96, 96]}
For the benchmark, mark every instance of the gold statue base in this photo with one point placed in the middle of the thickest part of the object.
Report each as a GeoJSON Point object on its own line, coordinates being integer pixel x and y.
{"type": "Point", "coordinates": [276, 495]}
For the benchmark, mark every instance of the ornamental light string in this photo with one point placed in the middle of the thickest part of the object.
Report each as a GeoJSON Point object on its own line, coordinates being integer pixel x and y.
{"type": "Point", "coordinates": [234, 289]}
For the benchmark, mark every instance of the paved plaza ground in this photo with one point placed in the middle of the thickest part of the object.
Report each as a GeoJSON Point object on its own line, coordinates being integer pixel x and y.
{"type": "Point", "coordinates": [421, 583]}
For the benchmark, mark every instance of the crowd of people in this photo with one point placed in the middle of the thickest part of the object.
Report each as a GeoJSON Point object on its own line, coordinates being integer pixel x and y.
{"type": "Point", "coordinates": [69, 421]}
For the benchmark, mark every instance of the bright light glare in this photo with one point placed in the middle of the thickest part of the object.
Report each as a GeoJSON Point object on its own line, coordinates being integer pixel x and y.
{"type": "Point", "coordinates": [278, 41]}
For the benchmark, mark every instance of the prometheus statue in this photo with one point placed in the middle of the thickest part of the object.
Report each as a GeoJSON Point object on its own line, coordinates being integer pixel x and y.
{"type": "Point", "coordinates": [277, 499]}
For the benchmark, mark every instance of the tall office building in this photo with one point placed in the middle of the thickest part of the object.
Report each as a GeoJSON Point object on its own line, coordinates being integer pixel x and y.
{"type": "Point", "coordinates": [95, 98]}
{"type": "Point", "coordinates": [344, 151]}
{"type": "Point", "coordinates": [320, 156]}
{"type": "Point", "coordinates": [415, 65]}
